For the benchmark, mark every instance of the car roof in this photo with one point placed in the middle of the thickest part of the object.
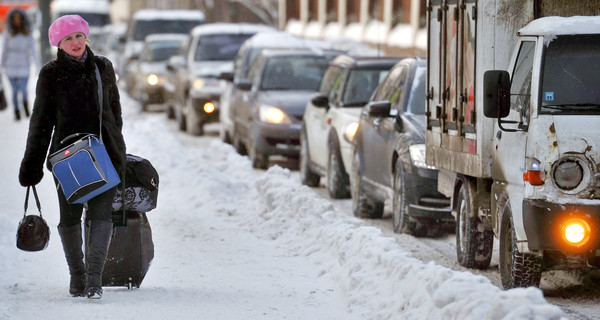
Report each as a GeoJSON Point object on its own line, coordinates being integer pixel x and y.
{"type": "Point", "coordinates": [281, 52]}
{"type": "Point", "coordinates": [282, 39]}
{"type": "Point", "coordinates": [365, 61]}
{"type": "Point", "coordinates": [230, 28]}
{"type": "Point", "coordinates": [166, 37]}
{"type": "Point", "coordinates": [155, 14]}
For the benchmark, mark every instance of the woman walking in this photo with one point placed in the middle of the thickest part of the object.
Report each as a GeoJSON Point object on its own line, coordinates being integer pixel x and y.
{"type": "Point", "coordinates": [18, 52]}
{"type": "Point", "coordinates": [66, 102]}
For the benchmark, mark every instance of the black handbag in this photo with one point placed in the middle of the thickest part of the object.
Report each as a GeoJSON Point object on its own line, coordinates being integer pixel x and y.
{"type": "Point", "coordinates": [33, 233]}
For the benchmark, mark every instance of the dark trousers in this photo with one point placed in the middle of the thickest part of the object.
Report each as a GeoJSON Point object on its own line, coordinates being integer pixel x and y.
{"type": "Point", "coordinates": [99, 208]}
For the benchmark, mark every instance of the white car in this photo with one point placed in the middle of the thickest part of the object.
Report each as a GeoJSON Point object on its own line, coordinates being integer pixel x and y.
{"type": "Point", "coordinates": [331, 120]}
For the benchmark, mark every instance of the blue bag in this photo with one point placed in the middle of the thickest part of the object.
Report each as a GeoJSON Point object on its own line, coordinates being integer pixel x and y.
{"type": "Point", "coordinates": [83, 168]}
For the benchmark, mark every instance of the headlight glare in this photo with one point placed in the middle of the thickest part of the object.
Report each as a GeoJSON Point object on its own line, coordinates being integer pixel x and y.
{"type": "Point", "coordinates": [152, 79]}
{"type": "Point", "coordinates": [270, 114]}
{"type": "Point", "coordinates": [576, 231]}
{"type": "Point", "coordinates": [350, 131]}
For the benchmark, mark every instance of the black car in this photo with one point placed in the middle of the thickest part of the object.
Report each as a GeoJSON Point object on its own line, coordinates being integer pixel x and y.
{"type": "Point", "coordinates": [389, 156]}
{"type": "Point", "coordinates": [280, 82]}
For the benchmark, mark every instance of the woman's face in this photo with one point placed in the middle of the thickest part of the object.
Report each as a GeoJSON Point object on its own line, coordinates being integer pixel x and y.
{"type": "Point", "coordinates": [73, 44]}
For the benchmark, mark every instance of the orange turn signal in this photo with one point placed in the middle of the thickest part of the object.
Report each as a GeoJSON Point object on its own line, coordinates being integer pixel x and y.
{"type": "Point", "coordinates": [534, 177]}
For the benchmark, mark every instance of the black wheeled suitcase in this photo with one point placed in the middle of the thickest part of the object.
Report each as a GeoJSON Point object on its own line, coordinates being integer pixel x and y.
{"type": "Point", "coordinates": [131, 250]}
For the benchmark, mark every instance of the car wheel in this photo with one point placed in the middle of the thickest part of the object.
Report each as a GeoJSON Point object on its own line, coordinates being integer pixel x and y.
{"type": "Point", "coordinates": [401, 220]}
{"type": "Point", "coordinates": [337, 179]}
{"type": "Point", "coordinates": [170, 112]}
{"type": "Point", "coordinates": [224, 135]}
{"type": "Point", "coordinates": [362, 205]}
{"type": "Point", "coordinates": [516, 269]}
{"type": "Point", "coordinates": [474, 240]}
{"type": "Point", "coordinates": [307, 176]}
{"type": "Point", "coordinates": [237, 143]}
{"type": "Point", "coordinates": [194, 124]}
{"type": "Point", "coordinates": [180, 117]}
{"type": "Point", "coordinates": [259, 159]}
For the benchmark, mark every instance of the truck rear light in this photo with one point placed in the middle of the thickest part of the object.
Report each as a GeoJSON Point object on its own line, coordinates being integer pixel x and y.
{"type": "Point", "coordinates": [534, 177]}
{"type": "Point", "coordinates": [576, 232]}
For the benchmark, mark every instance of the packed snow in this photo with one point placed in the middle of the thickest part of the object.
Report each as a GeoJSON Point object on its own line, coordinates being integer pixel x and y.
{"type": "Point", "coordinates": [236, 243]}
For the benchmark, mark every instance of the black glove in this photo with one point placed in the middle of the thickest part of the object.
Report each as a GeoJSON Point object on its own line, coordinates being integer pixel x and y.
{"type": "Point", "coordinates": [28, 177]}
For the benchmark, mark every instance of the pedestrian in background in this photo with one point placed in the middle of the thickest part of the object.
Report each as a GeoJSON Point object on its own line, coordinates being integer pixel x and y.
{"type": "Point", "coordinates": [18, 52]}
{"type": "Point", "coordinates": [66, 103]}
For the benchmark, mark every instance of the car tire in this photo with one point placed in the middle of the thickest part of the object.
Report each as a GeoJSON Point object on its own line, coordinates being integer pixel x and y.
{"type": "Point", "coordinates": [307, 176]}
{"type": "Point", "coordinates": [170, 112]}
{"type": "Point", "coordinates": [194, 124]}
{"type": "Point", "coordinates": [516, 269]}
{"type": "Point", "coordinates": [337, 179]}
{"type": "Point", "coordinates": [474, 240]}
{"type": "Point", "coordinates": [401, 220]}
{"type": "Point", "coordinates": [237, 143]}
{"type": "Point", "coordinates": [259, 159]}
{"type": "Point", "coordinates": [362, 205]}
{"type": "Point", "coordinates": [181, 121]}
{"type": "Point", "coordinates": [224, 135]}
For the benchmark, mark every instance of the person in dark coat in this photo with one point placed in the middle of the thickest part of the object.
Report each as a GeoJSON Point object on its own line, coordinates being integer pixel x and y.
{"type": "Point", "coordinates": [66, 103]}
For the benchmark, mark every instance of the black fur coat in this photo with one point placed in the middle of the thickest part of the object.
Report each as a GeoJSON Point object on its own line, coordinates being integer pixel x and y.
{"type": "Point", "coordinates": [66, 102]}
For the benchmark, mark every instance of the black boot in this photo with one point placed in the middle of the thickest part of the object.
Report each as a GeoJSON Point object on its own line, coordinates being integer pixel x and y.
{"type": "Point", "coordinates": [17, 115]}
{"type": "Point", "coordinates": [72, 241]}
{"type": "Point", "coordinates": [26, 108]}
{"type": "Point", "coordinates": [99, 240]}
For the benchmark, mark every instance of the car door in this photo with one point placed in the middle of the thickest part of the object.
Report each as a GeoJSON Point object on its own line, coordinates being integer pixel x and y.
{"type": "Point", "coordinates": [315, 118]}
{"type": "Point", "coordinates": [378, 132]}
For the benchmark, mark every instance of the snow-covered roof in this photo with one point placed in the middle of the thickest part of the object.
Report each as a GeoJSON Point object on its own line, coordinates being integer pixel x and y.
{"type": "Point", "coordinates": [101, 6]}
{"type": "Point", "coordinates": [154, 14]}
{"type": "Point", "coordinates": [230, 28]}
{"type": "Point", "coordinates": [284, 39]}
{"type": "Point", "coordinates": [551, 26]}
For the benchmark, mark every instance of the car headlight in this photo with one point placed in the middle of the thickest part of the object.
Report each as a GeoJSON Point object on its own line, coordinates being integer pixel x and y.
{"type": "Point", "coordinates": [350, 131]}
{"type": "Point", "coordinates": [152, 79]}
{"type": "Point", "coordinates": [200, 83]}
{"type": "Point", "coordinates": [568, 173]}
{"type": "Point", "coordinates": [417, 156]}
{"type": "Point", "coordinates": [270, 114]}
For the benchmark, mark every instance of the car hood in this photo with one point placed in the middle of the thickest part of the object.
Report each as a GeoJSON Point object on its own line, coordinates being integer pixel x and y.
{"type": "Point", "coordinates": [291, 101]}
{"type": "Point", "coordinates": [211, 68]}
{"type": "Point", "coordinates": [153, 67]}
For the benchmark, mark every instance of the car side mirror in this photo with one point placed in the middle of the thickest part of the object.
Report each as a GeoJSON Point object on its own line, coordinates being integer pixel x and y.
{"type": "Point", "coordinates": [496, 94]}
{"type": "Point", "coordinates": [379, 109]}
{"type": "Point", "coordinates": [244, 85]}
{"type": "Point", "coordinates": [320, 100]}
{"type": "Point", "coordinates": [227, 76]}
{"type": "Point", "coordinates": [176, 62]}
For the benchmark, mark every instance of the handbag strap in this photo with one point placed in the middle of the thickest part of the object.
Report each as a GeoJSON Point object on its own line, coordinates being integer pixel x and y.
{"type": "Point", "coordinates": [37, 200]}
{"type": "Point", "coordinates": [100, 97]}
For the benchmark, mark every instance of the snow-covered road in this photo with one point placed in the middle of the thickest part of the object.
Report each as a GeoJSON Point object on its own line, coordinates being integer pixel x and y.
{"type": "Point", "coordinates": [236, 243]}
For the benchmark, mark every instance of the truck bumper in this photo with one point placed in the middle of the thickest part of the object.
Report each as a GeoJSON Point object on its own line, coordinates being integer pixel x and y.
{"type": "Point", "coordinates": [544, 224]}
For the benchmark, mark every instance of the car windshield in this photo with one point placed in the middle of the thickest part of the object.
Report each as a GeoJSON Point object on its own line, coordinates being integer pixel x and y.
{"type": "Point", "coordinates": [293, 72]}
{"type": "Point", "coordinates": [93, 19]}
{"type": "Point", "coordinates": [145, 27]}
{"type": "Point", "coordinates": [219, 47]}
{"type": "Point", "coordinates": [571, 75]}
{"type": "Point", "coordinates": [416, 99]}
{"type": "Point", "coordinates": [361, 84]}
{"type": "Point", "coordinates": [159, 51]}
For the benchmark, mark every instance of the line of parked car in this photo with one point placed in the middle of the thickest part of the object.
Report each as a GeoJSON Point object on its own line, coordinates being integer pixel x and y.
{"type": "Point", "coordinates": [355, 120]}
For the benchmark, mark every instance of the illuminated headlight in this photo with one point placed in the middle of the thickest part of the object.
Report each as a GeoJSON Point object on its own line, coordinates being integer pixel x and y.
{"type": "Point", "coordinates": [200, 83]}
{"type": "Point", "coordinates": [209, 107]}
{"type": "Point", "coordinates": [153, 79]}
{"type": "Point", "coordinates": [350, 131]}
{"type": "Point", "coordinates": [270, 114]}
{"type": "Point", "coordinates": [417, 156]}
{"type": "Point", "coordinates": [568, 173]}
{"type": "Point", "coordinates": [576, 231]}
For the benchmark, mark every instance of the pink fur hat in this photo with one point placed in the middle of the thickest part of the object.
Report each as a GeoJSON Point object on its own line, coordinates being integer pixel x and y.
{"type": "Point", "coordinates": [65, 26]}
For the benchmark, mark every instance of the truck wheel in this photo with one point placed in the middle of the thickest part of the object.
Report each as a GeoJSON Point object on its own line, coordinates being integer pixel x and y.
{"type": "Point", "coordinates": [362, 205]}
{"type": "Point", "coordinates": [307, 177]}
{"type": "Point", "coordinates": [516, 269]}
{"type": "Point", "coordinates": [474, 240]}
{"type": "Point", "coordinates": [337, 179]}
{"type": "Point", "coordinates": [401, 221]}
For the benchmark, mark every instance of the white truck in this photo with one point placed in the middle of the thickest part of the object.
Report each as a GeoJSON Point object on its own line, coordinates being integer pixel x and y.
{"type": "Point", "coordinates": [513, 124]}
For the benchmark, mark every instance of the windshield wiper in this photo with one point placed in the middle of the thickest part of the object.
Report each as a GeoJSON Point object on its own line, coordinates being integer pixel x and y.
{"type": "Point", "coordinates": [574, 106]}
